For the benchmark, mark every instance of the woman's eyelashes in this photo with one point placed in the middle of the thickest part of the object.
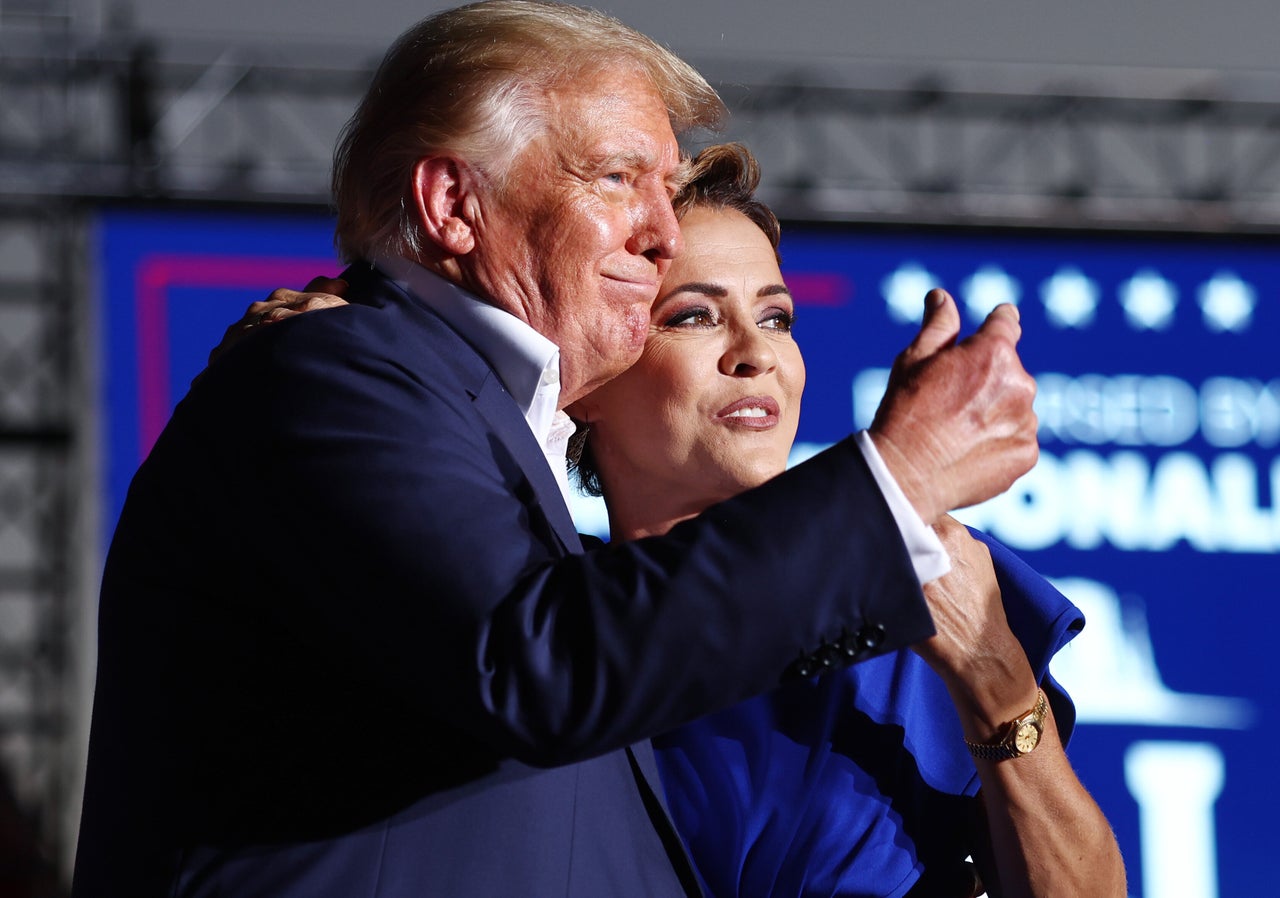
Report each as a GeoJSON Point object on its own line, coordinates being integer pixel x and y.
{"type": "Point", "coordinates": [774, 319]}
{"type": "Point", "coordinates": [696, 316]}
{"type": "Point", "coordinates": [779, 320]}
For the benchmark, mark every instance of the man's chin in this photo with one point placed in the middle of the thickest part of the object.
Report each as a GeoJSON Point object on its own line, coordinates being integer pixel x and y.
{"type": "Point", "coordinates": [604, 371]}
{"type": "Point", "coordinates": [619, 364]}
{"type": "Point", "coordinates": [637, 330]}
{"type": "Point", "coordinates": [628, 334]}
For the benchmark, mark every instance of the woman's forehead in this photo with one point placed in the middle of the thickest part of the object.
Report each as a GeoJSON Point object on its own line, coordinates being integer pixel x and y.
{"type": "Point", "coordinates": [722, 240]}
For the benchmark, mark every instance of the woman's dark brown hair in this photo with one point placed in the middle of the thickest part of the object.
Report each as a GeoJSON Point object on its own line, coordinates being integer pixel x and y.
{"type": "Point", "coordinates": [725, 176]}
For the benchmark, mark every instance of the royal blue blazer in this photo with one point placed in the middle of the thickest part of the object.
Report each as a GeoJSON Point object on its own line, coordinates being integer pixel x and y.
{"type": "Point", "coordinates": [856, 782]}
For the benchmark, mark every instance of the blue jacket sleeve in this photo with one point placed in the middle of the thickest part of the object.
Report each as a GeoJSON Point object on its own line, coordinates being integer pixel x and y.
{"type": "Point", "coordinates": [373, 527]}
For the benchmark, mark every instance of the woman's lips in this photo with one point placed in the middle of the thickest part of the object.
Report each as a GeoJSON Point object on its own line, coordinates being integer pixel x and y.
{"type": "Point", "coordinates": [751, 413]}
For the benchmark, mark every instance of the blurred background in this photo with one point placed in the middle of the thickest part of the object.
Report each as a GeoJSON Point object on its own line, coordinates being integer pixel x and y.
{"type": "Point", "coordinates": [1114, 168]}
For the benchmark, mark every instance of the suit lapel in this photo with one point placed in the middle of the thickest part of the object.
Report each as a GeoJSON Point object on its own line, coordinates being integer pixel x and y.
{"type": "Point", "coordinates": [498, 408]}
{"type": "Point", "coordinates": [489, 396]}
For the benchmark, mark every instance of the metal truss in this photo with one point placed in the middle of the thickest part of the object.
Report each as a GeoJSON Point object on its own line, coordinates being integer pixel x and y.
{"type": "Point", "coordinates": [133, 119]}
{"type": "Point", "coordinates": [109, 116]}
{"type": "Point", "coordinates": [257, 124]}
{"type": "Point", "coordinates": [41, 551]}
{"type": "Point", "coordinates": [923, 154]}
{"type": "Point", "coordinates": [43, 557]}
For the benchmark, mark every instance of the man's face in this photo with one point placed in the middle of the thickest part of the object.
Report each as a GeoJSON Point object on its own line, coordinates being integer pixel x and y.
{"type": "Point", "coordinates": [580, 238]}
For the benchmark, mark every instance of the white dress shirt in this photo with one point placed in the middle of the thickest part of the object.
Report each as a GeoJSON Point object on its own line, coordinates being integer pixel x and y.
{"type": "Point", "coordinates": [528, 364]}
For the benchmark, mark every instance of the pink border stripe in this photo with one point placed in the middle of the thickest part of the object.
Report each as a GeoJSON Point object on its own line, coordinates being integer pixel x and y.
{"type": "Point", "coordinates": [812, 288]}
{"type": "Point", "coordinates": [156, 276]}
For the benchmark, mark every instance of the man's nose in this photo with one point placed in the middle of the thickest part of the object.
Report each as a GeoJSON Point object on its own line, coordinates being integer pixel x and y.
{"type": "Point", "coordinates": [656, 231]}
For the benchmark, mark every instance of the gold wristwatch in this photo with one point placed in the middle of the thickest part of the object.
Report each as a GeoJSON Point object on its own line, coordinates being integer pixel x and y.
{"type": "Point", "coordinates": [1021, 738]}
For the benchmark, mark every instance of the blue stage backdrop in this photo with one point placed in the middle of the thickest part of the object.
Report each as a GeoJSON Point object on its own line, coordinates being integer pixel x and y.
{"type": "Point", "coordinates": [1153, 505]}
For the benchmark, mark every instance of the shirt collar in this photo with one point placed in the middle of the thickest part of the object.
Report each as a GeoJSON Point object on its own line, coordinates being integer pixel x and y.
{"type": "Point", "coordinates": [527, 363]}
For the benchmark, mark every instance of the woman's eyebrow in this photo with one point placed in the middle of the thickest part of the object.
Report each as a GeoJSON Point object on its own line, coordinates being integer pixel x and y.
{"type": "Point", "coordinates": [702, 288]}
{"type": "Point", "coordinates": [773, 290]}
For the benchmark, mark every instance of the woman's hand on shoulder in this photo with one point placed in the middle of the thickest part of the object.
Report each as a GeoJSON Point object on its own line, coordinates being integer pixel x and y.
{"type": "Point", "coordinates": [320, 293]}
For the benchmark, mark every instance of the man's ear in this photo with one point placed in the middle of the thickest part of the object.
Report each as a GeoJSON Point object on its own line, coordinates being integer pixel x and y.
{"type": "Point", "coordinates": [444, 192]}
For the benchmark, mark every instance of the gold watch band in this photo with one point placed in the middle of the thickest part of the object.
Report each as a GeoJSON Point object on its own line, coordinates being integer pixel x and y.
{"type": "Point", "coordinates": [1021, 738]}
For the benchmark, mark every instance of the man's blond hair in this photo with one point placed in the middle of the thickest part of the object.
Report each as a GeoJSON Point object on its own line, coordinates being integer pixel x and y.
{"type": "Point", "coordinates": [472, 82]}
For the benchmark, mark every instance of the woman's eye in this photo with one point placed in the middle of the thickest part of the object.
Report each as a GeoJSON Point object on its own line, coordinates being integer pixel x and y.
{"type": "Point", "coordinates": [779, 321]}
{"type": "Point", "coordinates": [692, 317]}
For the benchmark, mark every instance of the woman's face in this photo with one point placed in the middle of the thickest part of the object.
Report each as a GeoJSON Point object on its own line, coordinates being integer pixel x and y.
{"type": "Point", "coordinates": [711, 408]}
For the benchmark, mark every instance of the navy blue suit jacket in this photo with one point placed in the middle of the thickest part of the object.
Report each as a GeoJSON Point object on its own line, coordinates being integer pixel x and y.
{"type": "Point", "coordinates": [350, 644]}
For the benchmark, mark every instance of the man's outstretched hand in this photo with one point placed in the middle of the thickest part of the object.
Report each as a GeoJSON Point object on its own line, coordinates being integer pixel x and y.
{"type": "Point", "coordinates": [956, 426]}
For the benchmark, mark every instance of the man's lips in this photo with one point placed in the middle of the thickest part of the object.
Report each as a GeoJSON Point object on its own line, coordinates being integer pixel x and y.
{"type": "Point", "coordinates": [639, 281]}
{"type": "Point", "coordinates": [751, 412]}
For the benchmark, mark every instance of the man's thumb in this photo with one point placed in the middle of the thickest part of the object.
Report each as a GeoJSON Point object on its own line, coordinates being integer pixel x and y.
{"type": "Point", "coordinates": [940, 327]}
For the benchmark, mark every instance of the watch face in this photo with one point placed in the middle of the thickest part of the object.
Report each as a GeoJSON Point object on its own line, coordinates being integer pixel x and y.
{"type": "Point", "coordinates": [1027, 738]}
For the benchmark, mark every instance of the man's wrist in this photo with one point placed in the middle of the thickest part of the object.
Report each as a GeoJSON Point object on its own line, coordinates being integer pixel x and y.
{"type": "Point", "coordinates": [918, 490]}
{"type": "Point", "coordinates": [928, 557]}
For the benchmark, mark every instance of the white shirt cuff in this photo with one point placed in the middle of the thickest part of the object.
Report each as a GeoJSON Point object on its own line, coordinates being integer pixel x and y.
{"type": "Point", "coordinates": [928, 557]}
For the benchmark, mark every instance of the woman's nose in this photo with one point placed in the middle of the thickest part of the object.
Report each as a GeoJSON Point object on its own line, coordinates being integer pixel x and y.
{"type": "Point", "coordinates": [749, 353]}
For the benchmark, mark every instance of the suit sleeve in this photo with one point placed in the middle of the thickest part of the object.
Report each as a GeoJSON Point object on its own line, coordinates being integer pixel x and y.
{"type": "Point", "coordinates": [407, 546]}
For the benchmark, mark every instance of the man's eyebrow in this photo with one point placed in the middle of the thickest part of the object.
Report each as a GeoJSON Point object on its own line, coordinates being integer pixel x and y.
{"type": "Point", "coordinates": [638, 160]}
{"type": "Point", "coordinates": [679, 179]}
{"type": "Point", "coordinates": [632, 159]}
